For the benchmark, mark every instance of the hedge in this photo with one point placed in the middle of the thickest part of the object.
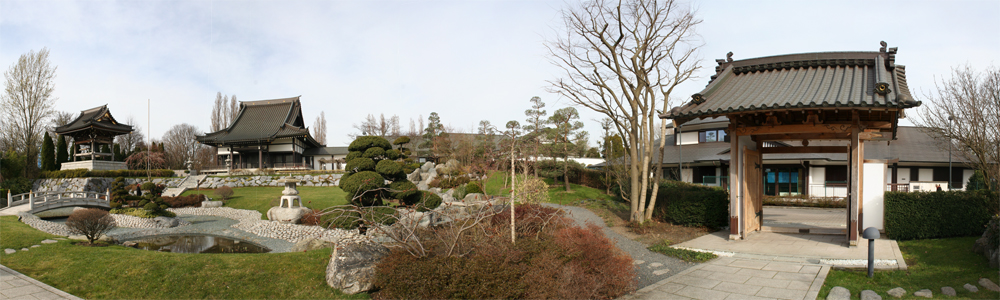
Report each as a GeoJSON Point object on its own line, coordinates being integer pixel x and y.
{"type": "Point", "coordinates": [81, 173]}
{"type": "Point", "coordinates": [921, 215]}
{"type": "Point", "coordinates": [692, 205]}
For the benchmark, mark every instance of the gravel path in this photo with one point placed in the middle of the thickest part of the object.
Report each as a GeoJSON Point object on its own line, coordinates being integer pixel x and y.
{"type": "Point", "coordinates": [651, 267]}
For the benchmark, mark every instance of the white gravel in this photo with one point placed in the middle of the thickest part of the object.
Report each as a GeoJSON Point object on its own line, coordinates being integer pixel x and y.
{"type": "Point", "coordinates": [137, 222]}
{"type": "Point", "coordinates": [858, 262]}
{"type": "Point", "coordinates": [43, 225]}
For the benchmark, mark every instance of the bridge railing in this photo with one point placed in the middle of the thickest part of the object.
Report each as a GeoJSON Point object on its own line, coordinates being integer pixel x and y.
{"type": "Point", "coordinates": [37, 200]}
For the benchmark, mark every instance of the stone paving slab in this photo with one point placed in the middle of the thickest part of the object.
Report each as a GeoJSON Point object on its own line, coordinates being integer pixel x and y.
{"type": "Point", "coordinates": [716, 279]}
{"type": "Point", "coordinates": [14, 285]}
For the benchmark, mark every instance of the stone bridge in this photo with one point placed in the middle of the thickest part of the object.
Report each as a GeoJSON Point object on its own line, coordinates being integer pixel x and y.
{"type": "Point", "coordinates": [42, 201]}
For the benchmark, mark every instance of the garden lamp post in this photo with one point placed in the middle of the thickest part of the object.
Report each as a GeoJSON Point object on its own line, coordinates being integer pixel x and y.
{"type": "Point", "coordinates": [950, 119]}
{"type": "Point", "coordinates": [871, 233]}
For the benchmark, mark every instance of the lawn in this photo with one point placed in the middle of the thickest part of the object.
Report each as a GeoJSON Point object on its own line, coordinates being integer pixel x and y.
{"type": "Point", "coordinates": [933, 264]}
{"type": "Point", "coordinates": [117, 272]}
{"type": "Point", "coordinates": [496, 184]}
{"type": "Point", "coordinates": [263, 198]}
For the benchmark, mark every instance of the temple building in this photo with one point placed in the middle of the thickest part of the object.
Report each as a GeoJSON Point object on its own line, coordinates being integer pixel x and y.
{"type": "Point", "coordinates": [269, 134]}
{"type": "Point", "coordinates": [94, 128]}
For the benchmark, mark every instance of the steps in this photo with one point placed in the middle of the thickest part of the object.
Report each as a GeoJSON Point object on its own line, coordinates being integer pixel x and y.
{"type": "Point", "coordinates": [189, 182]}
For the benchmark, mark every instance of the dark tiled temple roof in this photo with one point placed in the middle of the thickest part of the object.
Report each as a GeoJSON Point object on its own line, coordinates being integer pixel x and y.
{"type": "Point", "coordinates": [326, 151]}
{"type": "Point", "coordinates": [263, 121]}
{"type": "Point", "coordinates": [97, 118]}
{"type": "Point", "coordinates": [808, 80]}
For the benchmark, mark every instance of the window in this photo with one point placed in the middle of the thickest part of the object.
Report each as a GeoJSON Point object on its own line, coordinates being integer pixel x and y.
{"type": "Point", "coordinates": [914, 174]}
{"type": "Point", "coordinates": [782, 181]}
{"type": "Point", "coordinates": [714, 135]}
{"type": "Point", "coordinates": [836, 174]}
{"type": "Point", "coordinates": [699, 174]}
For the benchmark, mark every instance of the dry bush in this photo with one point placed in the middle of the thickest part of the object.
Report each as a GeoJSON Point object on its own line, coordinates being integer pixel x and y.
{"type": "Point", "coordinates": [313, 217]}
{"type": "Point", "coordinates": [90, 222]}
{"type": "Point", "coordinates": [184, 201]}
{"type": "Point", "coordinates": [225, 192]}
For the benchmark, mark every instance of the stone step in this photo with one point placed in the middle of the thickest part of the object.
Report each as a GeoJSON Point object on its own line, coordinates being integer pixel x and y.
{"type": "Point", "coordinates": [830, 231]}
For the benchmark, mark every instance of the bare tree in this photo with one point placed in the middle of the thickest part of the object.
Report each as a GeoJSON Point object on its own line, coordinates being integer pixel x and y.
{"type": "Point", "coordinates": [965, 110]}
{"type": "Point", "coordinates": [623, 59]}
{"type": "Point", "coordinates": [218, 112]}
{"type": "Point", "coordinates": [180, 146]}
{"type": "Point", "coordinates": [319, 128]}
{"type": "Point", "coordinates": [27, 103]}
{"type": "Point", "coordinates": [234, 110]}
{"type": "Point", "coordinates": [383, 127]}
{"type": "Point", "coordinates": [90, 222]}
{"type": "Point", "coordinates": [130, 142]}
{"type": "Point", "coordinates": [60, 118]}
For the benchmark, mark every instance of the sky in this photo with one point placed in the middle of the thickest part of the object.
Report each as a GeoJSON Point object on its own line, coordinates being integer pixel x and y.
{"type": "Point", "coordinates": [466, 60]}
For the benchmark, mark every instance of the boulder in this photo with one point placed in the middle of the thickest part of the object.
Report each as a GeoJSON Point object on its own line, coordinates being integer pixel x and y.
{"type": "Point", "coordinates": [474, 197]}
{"type": "Point", "coordinates": [870, 295]}
{"type": "Point", "coordinates": [352, 266]}
{"type": "Point", "coordinates": [988, 284]}
{"type": "Point", "coordinates": [445, 198]}
{"type": "Point", "coordinates": [414, 176]}
{"type": "Point", "coordinates": [971, 288]}
{"type": "Point", "coordinates": [435, 190]}
{"type": "Point", "coordinates": [422, 186]}
{"type": "Point", "coordinates": [948, 291]}
{"type": "Point", "coordinates": [287, 215]}
{"type": "Point", "coordinates": [167, 222]}
{"type": "Point", "coordinates": [129, 244]}
{"type": "Point", "coordinates": [211, 204]}
{"type": "Point", "coordinates": [9, 251]}
{"type": "Point", "coordinates": [926, 293]}
{"type": "Point", "coordinates": [309, 245]}
{"type": "Point", "coordinates": [897, 292]}
{"type": "Point", "coordinates": [839, 293]}
{"type": "Point", "coordinates": [48, 241]}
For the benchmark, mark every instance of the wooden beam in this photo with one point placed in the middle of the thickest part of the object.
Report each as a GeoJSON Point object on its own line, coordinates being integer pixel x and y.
{"type": "Point", "coordinates": [875, 136]}
{"type": "Point", "coordinates": [804, 149]}
{"type": "Point", "coordinates": [802, 136]}
{"type": "Point", "coordinates": [796, 128]}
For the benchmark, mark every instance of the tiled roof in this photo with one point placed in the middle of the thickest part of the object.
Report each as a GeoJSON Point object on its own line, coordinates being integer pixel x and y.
{"type": "Point", "coordinates": [808, 80]}
{"type": "Point", "coordinates": [263, 121]}
{"type": "Point", "coordinates": [98, 118]}
{"type": "Point", "coordinates": [326, 151]}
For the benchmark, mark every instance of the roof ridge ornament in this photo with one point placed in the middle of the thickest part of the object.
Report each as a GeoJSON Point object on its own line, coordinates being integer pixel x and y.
{"type": "Point", "coordinates": [729, 56]}
{"type": "Point", "coordinates": [883, 46]}
{"type": "Point", "coordinates": [697, 98]}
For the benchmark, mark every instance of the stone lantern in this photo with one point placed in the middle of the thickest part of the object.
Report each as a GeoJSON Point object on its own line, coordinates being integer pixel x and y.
{"type": "Point", "coordinates": [290, 209]}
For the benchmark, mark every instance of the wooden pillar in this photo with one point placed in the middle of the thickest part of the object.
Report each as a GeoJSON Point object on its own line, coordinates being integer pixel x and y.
{"type": "Point", "coordinates": [92, 149]}
{"type": "Point", "coordinates": [231, 161]}
{"type": "Point", "coordinates": [260, 157]}
{"type": "Point", "coordinates": [734, 186]}
{"type": "Point", "coordinates": [856, 157]}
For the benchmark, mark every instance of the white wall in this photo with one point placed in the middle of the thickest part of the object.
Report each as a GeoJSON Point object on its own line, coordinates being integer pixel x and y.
{"type": "Point", "coordinates": [687, 175]}
{"type": "Point", "coordinates": [925, 175]}
{"type": "Point", "coordinates": [687, 138]}
{"type": "Point", "coordinates": [280, 148]}
{"type": "Point", "coordinates": [817, 184]}
{"type": "Point", "coordinates": [903, 175]}
{"type": "Point", "coordinates": [966, 174]}
{"type": "Point", "coordinates": [873, 199]}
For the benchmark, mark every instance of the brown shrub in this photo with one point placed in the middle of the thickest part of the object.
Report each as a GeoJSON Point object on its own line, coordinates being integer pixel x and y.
{"type": "Point", "coordinates": [314, 217]}
{"type": "Point", "coordinates": [90, 222]}
{"type": "Point", "coordinates": [225, 192]}
{"type": "Point", "coordinates": [184, 201]}
{"type": "Point", "coordinates": [531, 220]}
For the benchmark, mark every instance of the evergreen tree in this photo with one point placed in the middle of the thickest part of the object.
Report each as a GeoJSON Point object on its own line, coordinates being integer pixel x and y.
{"type": "Point", "coordinates": [48, 153]}
{"type": "Point", "coordinates": [119, 155]}
{"type": "Point", "coordinates": [62, 152]}
{"type": "Point", "coordinates": [105, 149]}
{"type": "Point", "coordinates": [563, 135]}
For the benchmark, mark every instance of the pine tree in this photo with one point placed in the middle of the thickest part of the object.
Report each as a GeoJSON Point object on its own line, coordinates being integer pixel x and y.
{"type": "Point", "coordinates": [48, 153]}
{"type": "Point", "coordinates": [62, 152]}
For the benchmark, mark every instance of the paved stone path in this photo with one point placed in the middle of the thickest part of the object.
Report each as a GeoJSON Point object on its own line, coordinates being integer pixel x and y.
{"type": "Point", "coordinates": [740, 278]}
{"type": "Point", "coordinates": [14, 285]}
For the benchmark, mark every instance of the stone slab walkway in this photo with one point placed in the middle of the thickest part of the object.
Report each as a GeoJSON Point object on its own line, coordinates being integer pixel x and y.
{"type": "Point", "coordinates": [14, 285]}
{"type": "Point", "coordinates": [812, 248]}
{"type": "Point", "coordinates": [740, 278]}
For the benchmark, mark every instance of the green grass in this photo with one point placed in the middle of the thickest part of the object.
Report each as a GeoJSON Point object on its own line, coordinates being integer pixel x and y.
{"type": "Point", "coordinates": [495, 185]}
{"type": "Point", "coordinates": [263, 198]}
{"type": "Point", "coordinates": [117, 272]}
{"type": "Point", "coordinates": [682, 254]}
{"type": "Point", "coordinates": [933, 264]}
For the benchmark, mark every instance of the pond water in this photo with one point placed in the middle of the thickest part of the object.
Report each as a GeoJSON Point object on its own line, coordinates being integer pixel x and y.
{"type": "Point", "coordinates": [198, 244]}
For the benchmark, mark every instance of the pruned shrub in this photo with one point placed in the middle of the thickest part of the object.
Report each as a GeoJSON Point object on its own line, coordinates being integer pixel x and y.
{"type": "Point", "coordinates": [473, 188]}
{"type": "Point", "coordinates": [405, 191]}
{"type": "Point", "coordinates": [363, 188]}
{"type": "Point", "coordinates": [448, 182]}
{"type": "Point", "coordinates": [390, 170]}
{"type": "Point", "coordinates": [360, 164]}
{"type": "Point", "coordinates": [90, 222]}
{"type": "Point", "coordinates": [184, 201]}
{"type": "Point", "coordinates": [531, 190]}
{"type": "Point", "coordinates": [692, 205]}
{"type": "Point", "coordinates": [80, 173]}
{"type": "Point", "coordinates": [374, 153]}
{"type": "Point", "coordinates": [428, 201]}
{"type": "Point", "coordinates": [224, 192]}
{"type": "Point", "coordinates": [921, 215]}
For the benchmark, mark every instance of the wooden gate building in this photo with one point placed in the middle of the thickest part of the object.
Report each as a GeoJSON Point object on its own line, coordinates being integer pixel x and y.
{"type": "Point", "coordinates": [846, 97]}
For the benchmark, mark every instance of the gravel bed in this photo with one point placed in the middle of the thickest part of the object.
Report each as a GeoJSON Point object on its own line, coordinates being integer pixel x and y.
{"type": "Point", "coordinates": [137, 222]}
{"type": "Point", "coordinates": [43, 225]}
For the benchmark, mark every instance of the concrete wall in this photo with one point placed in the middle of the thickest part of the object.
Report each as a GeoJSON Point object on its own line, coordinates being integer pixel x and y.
{"type": "Point", "coordinates": [872, 197]}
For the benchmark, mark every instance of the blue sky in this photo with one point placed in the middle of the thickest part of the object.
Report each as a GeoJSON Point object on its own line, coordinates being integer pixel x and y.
{"type": "Point", "coordinates": [466, 60]}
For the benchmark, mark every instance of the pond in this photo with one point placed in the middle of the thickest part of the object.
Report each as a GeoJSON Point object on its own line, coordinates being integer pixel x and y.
{"type": "Point", "coordinates": [198, 244]}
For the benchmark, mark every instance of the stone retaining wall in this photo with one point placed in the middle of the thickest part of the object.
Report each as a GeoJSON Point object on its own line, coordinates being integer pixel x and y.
{"type": "Point", "coordinates": [245, 181]}
{"type": "Point", "coordinates": [102, 184]}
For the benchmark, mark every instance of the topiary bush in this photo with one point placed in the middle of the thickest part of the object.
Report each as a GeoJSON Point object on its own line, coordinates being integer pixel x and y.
{"type": "Point", "coordinates": [692, 205]}
{"type": "Point", "coordinates": [371, 156]}
{"type": "Point", "coordinates": [184, 201]}
{"type": "Point", "coordinates": [405, 191]}
{"type": "Point", "coordinates": [429, 201]}
{"type": "Point", "coordinates": [363, 188]}
{"type": "Point", "coordinates": [922, 215]}
{"type": "Point", "coordinates": [390, 170]}
{"type": "Point", "coordinates": [473, 188]}
{"type": "Point", "coordinates": [360, 164]}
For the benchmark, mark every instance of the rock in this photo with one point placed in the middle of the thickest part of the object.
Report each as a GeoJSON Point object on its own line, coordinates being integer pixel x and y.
{"type": "Point", "coordinates": [167, 222]}
{"type": "Point", "coordinates": [414, 176]}
{"type": "Point", "coordinates": [435, 190]}
{"type": "Point", "coordinates": [870, 295]}
{"type": "Point", "coordinates": [49, 241]}
{"type": "Point", "coordinates": [474, 197]}
{"type": "Point", "coordinates": [839, 293]}
{"type": "Point", "coordinates": [924, 293]}
{"type": "Point", "coordinates": [897, 292]}
{"type": "Point", "coordinates": [988, 284]}
{"type": "Point", "coordinates": [971, 288]}
{"type": "Point", "coordinates": [948, 291]}
{"type": "Point", "coordinates": [24, 249]}
{"type": "Point", "coordinates": [352, 266]}
{"type": "Point", "coordinates": [422, 186]}
{"type": "Point", "coordinates": [9, 251]}
{"type": "Point", "coordinates": [129, 244]}
{"type": "Point", "coordinates": [35, 246]}
{"type": "Point", "coordinates": [287, 215]}
{"type": "Point", "coordinates": [211, 204]}
{"type": "Point", "coordinates": [309, 245]}
{"type": "Point", "coordinates": [447, 198]}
